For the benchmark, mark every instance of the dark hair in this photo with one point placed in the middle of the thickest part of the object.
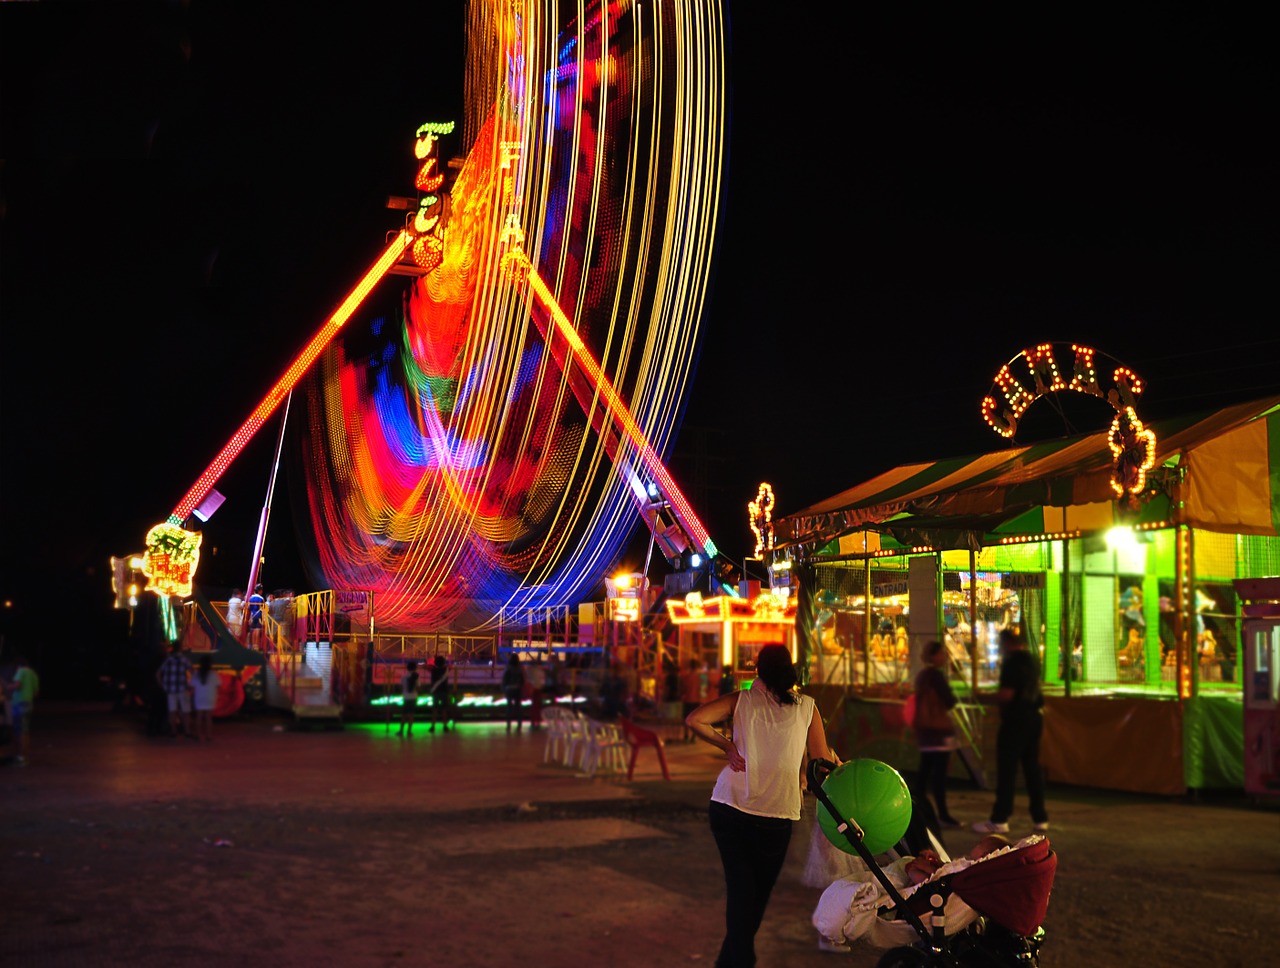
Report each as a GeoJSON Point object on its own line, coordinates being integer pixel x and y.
{"type": "Point", "coordinates": [931, 649]}
{"type": "Point", "coordinates": [206, 665]}
{"type": "Point", "coordinates": [411, 665]}
{"type": "Point", "coordinates": [775, 669]}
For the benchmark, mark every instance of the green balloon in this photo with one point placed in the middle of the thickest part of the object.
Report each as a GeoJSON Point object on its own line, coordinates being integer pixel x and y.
{"type": "Point", "coordinates": [874, 795]}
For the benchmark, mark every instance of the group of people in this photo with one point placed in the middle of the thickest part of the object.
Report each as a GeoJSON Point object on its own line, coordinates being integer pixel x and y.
{"type": "Point", "coordinates": [438, 687]}
{"type": "Point", "coordinates": [191, 693]}
{"type": "Point", "coordinates": [767, 732]}
{"type": "Point", "coordinates": [1021, 702]}
{"type": "Point", "coordinates": [278, 605]}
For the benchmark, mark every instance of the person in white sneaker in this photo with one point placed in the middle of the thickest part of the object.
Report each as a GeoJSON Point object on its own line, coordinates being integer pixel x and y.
{"type": "Point", "coordinates": [1018, 741]}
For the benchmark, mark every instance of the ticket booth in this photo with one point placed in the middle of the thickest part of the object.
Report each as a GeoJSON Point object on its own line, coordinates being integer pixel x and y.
{"type": "Point", "coordinates": [1260, 650]}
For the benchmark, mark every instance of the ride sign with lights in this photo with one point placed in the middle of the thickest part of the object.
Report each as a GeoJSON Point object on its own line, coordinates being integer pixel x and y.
{"type": "Point", "coordinates": [1035, 373]}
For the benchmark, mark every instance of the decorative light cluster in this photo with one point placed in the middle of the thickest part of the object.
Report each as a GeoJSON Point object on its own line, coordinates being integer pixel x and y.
{"type": "Point", "coordinates": [170, 559]}
{"type": "Point", "coordinates": [428, 245]}
{"type": "Point", "coordinates": [1009, 398]}
{"type": "Point", "coordinates": [1037, 538]}
{"type": "Point", "coordinates": [760, 517]}
{"type": "Point", "coordinates": [766, 608]}
{"type": "Point", "coordinates": [1133, 453]}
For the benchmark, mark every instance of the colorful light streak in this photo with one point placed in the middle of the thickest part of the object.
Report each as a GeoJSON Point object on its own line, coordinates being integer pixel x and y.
{"type": "Point", "coordinates": [448, 461]}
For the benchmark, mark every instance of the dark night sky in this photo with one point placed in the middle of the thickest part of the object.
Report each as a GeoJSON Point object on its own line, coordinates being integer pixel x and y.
{"type": "Point", "coordinates": [189, 188]}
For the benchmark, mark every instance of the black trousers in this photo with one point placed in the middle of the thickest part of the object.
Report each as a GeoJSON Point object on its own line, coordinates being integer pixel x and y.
{"type": "Point", "coordinates": [1018, 745]}
{"type": "Point", "coordinates": [752, 850]}
{"type": "Point", "coordinates": [931, 778]}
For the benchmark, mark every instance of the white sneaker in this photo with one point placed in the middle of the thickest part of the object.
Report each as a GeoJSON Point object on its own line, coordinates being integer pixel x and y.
{"type": "Point", "coordinates": [989, 827]}
{"type": "Point", "coordinates": [1040, 827]}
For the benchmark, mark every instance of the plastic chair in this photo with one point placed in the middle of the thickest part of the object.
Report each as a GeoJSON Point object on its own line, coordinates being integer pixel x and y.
{"type": "Point", "coordinates": [604, 748]}
{"type": "Point", "coordinates": [577, 737]}
{"type": "Point", "coordinates": [557, 745]}
{"type": "Point", "coordinates": [638, 738]}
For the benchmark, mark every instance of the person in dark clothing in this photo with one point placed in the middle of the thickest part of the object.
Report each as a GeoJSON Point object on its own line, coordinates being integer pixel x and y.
{"type": "Point", "coordinates": [1018, 740]}
{"type": "Point", "coordinates": [513, 690]}
{"type": "Point", "coordinates": [935, 731]}
{"type": "Point", "coordinates": [441, 695]}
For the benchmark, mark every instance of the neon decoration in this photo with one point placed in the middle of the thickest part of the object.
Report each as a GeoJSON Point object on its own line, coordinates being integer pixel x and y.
{"type": "Point", "coordinates": [170, 559]}
{"type": "Point", "coordinates": [1133, 452]}
{"type": "Point", "coordinates": [764, 608]}
{"type": "Point", "coordinates": [428, 243]}
{"type": "Point", "coordinates": [1133, 446]}
{"type": "Point", "coordinates": [1010, 394]}
{"type": "Point", "coordinates": [760, 516]}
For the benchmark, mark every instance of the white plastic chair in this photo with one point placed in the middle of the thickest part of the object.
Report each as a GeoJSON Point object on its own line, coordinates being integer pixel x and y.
{"type": "Point", "coordinates": [578, 737]}
{"type": "Point", "coordinates": [556, 719]}
{"type": "Point", "coordinates": [605, 750]}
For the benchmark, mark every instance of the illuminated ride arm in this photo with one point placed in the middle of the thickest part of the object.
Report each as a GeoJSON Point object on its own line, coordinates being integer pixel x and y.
{"type": "Point", "coordinates": [584, 377]}
{"type": "Point", "coordinates": [162, 539]}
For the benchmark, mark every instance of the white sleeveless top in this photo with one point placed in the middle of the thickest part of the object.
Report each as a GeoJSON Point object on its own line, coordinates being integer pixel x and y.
{"type": "Point", "coordinates": [772, 738]}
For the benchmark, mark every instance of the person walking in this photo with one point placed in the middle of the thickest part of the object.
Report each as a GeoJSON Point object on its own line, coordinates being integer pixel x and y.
{"type": "Point", "coordinates": [513, 690]}
{"type": "Point", "coordinates": [935, 733]}
{"type": "Point", "coordinates": [756, 800]}
{"type": "Point", "coordinates": [441, 695]}
{"type": "Point", "coordinates": [534, 687]}
{"type": "Point", "coordinates": [204, 696]}
{"type": "Point", "coordinates": [693, 690]}
{"type": "Point", "coordinates": [23, 690]}
{"type": "Point", "coordinates": [408, 697]}
{"type": "Point", "coordinates": [174, 676]}
{"type": "Point", "coordinates": [1018, 740]}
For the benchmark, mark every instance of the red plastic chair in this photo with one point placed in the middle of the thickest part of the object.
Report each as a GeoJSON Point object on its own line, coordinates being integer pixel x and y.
{"type": "Point", "coordinates": [638, 738]}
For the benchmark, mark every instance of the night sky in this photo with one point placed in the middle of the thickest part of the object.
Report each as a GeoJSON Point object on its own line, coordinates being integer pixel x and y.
{"type": "Point", "coordinates": [188, 189]}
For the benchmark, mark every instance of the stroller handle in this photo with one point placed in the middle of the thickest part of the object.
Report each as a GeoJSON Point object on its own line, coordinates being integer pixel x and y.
{"type": "Point", "coordinates": [817, 772]}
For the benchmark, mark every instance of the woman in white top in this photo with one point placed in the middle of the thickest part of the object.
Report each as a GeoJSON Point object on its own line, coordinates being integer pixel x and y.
{"type": "Point", "coordinates": [757, 797]}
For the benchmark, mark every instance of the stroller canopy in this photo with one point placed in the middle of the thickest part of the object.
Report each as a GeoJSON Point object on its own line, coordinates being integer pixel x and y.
{"type": "Point", "coordinates": [1012, 888]}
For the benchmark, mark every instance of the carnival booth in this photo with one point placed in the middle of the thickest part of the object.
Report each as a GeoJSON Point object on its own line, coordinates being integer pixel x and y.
{"type": "Point", "coordinates": [725, 634]}
{"type": "Point", "coordinates": [1114, 553]}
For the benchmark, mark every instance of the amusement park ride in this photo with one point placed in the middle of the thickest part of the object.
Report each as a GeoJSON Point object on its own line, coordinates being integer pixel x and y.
{"type": "Point", "coordinates": [555, 285]}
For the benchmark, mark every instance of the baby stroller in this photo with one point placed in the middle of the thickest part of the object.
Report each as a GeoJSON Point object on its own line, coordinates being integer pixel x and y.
{"type": "Point", "coordinates": [987, 914]}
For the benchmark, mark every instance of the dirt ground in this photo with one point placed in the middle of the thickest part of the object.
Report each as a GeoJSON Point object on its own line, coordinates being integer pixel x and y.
{"type": "Point", "coordinates": [351, 847]}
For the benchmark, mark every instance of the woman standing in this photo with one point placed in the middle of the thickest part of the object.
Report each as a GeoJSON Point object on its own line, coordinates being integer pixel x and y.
{"type": "Point", "coordinates": [204, 696]}
{"type": "Point", "coordinates": [757, 797]}
{"type": "Point", "coordinates": [935, 731]}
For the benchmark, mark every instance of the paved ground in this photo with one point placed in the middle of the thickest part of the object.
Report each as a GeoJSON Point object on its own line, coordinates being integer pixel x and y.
{"type": "Point", "coordinates": [352, 847]}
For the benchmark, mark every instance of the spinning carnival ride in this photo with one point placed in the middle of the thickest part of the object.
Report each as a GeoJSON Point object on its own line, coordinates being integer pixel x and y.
{"type": "Point", "coordinates": [485, 443]}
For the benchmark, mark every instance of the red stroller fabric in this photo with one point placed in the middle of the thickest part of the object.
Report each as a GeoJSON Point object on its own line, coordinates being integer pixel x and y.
{"type": "Point", "coordinates": [1011, 889]}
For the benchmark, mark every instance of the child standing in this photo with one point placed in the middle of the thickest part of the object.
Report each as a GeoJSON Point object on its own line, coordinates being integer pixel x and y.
{"type": "Point", "coordinates": [204, 696]}
{"type": "Point", "coordinates": [408, 697]}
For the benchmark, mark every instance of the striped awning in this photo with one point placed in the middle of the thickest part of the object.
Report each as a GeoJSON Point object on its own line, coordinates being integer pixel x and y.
{"type": "Point", "coordinates": [1214, 471]}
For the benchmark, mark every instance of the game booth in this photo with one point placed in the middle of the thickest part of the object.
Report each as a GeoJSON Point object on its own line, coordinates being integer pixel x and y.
{"type": "Point", "coordinates": [1121, 561]}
